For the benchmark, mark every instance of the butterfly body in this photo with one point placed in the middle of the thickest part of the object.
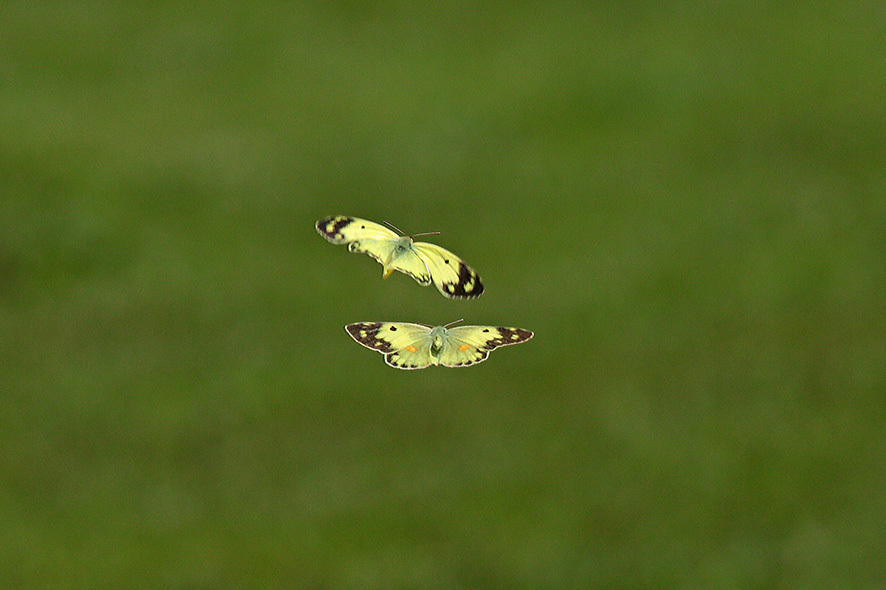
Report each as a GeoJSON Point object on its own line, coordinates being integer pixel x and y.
{"type": "Point", "coordinates": [395, 252]}
{"type": "Point", "coordinates": [425, 262]}
{"type": "Point", "coordinates": [416, 346]}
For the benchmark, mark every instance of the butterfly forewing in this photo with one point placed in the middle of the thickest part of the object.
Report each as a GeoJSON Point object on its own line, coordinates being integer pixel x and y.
{"type": "Point", "coordinates": [360, 235]}
{"type": "Point", "coordinates": [452, 277]}
{"type": "Point", "coordinates": [342, 229]}
{"type": "Point", "coordinates": [405, 346]}
{"type": "Point", "coordinates": [468, 345]}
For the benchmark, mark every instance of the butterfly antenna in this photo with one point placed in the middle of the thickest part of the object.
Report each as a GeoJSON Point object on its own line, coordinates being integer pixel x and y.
{"type": "Point", "coordinates": [455, 322]}
{"type": "Point", "coordinates": [427, 233]}
{"type": "Point", "coordinates": [394, 227]}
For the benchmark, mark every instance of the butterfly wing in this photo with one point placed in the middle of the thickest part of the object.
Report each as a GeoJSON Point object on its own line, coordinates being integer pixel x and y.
{"type": "Point", "coordinates": [405, 346]}
{"type": "Point", "coordinates": [394, 252]}
{"type": "Point", "coordinates": [360, 235]}
{"type": "Point", "coordinates": [342, 229]}
{"type": "Point", "coordinates": [405, 259]}
{"type": "Point", "coordinates": [467, 345]}
{"type": "Point", "coordinates": [452, 277]}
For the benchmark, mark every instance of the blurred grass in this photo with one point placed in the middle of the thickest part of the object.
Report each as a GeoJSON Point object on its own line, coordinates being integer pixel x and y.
{"type": "Point", "coordinates": [685, 203]}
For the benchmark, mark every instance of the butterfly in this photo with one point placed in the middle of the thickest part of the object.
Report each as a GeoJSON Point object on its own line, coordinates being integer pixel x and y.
{"type": "Point", "coordinates": [416, 346]}
{"type": "Point", "coordinates": [422, 261]}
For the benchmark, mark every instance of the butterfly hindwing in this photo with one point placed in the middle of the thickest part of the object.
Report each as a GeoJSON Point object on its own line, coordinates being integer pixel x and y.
{"type": "Point", "coordinates": [405, 346]}
{"type": "Point", "coordinates": [409, 262]}
{"type": "Point", "coordinates": [451, 275]}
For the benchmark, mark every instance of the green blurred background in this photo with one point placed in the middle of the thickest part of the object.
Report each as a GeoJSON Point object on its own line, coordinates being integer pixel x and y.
{"type": "Point", "coordinates": [684, 201]}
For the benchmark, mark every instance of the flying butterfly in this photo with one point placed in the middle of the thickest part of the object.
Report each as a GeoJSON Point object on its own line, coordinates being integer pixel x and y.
{"type": "Point", "coordinates": [424, 262]}
{"type": "Point", "coordinates": [416, 346]}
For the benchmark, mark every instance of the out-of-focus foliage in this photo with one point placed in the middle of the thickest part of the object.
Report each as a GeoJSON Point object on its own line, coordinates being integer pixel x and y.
{"type": "Point", "coordinates": [684, 202]}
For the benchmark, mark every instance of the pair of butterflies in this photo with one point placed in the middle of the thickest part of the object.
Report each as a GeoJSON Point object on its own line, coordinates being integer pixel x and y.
{"type": "Point", "coordinates": [416, 346]}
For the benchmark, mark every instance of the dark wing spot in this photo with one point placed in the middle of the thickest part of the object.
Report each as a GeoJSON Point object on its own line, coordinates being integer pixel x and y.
{"type": "Point", "coordinates": [365, 334]}
{"type": "Point", "coordinates": [508, 336]}
{"type": "Point", "coordinates": [466, 277]}
{"type": "Point", "coordinates": [393, 328]}
{"type": "Point", "coordinates": [485, 329]}
{"type": "Point", "coordinates": [330, 227]}
{"type": "Point", "coordinates": [445, 262]}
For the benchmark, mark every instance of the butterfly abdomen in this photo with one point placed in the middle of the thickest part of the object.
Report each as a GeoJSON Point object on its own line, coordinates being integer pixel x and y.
{"type": "Point", "coordinates": [436, 342]}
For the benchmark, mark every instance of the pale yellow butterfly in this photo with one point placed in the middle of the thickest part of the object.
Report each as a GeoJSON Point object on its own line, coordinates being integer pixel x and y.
{"type": "Point", "coordinates": [416, 346]}
{"type": "Point", "coordinates": [424, 262]}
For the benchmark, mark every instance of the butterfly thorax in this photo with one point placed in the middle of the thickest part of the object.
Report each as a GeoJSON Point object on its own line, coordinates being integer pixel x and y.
{"type": "Point", "coordinates": [401, 247]}
{"type": "Point", "coordinates": [437, 336]}
{"type": "Point", "coordinates": [404, 244]}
